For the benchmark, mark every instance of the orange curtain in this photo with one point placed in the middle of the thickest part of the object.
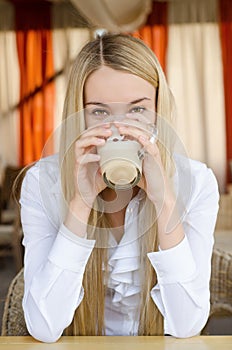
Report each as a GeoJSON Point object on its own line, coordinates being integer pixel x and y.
{"type": "Point", "coordinates": [155, 33]}
{"type": "Point", "coordinates": [35, 55]}
{"type": "Point", "coordinates": [226, 44]}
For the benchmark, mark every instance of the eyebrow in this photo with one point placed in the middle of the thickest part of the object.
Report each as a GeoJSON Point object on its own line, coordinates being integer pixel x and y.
{"type": "Point", "coordinates": [106, 105]}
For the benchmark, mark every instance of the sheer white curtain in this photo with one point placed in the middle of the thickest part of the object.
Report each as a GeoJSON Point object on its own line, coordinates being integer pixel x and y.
{"type": "Point", "coordinates": [9, 88]}
{"type": "Point", "coordinates": [66, 45]}
{"type": "Point", "coordinates": [69, 36]}
{"type": "Point", "coordinates": [194, 71]}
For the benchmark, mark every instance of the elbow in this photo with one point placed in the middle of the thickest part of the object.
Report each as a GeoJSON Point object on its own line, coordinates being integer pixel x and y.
{"type": "Point", "coordinates": [44, 338]}
{"type": "Point", "coordinates": [43, 335]}
{"type": "Point", "coordinates": [39, 326]}
{"type": "Point", "coordinates": [39, 329]}
{"type": "Point", "coordinates": [192, 327]}
{"type": "Point", "coordinates": [185, 333]}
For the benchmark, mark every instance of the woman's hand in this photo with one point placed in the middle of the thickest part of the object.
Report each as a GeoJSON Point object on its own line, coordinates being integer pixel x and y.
{"type": "Point", "coordinates": [156, 185]}
{"type": "Point", "coordinates": [153, 180]}
{"type": "Point", "coordinates": [89, 182]}
{"type": "Point", "coordinates": [88, 178]}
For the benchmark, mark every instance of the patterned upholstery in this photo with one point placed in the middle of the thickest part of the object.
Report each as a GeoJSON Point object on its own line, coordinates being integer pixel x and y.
{"type": "Point", "coordinates": [13, 322]}
{"type": "Point", "coordinates": [221, 282]}
{"type": "Point", "coordinates": [220, 288]}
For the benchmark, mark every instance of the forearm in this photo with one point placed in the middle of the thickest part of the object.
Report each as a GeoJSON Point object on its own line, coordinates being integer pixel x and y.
{"type": "Point", "coordinates": [49, 308]}
{"type": "Point", "coordinates": [53, 291]}
{"type": "Point", "coordinates": [170, 229]}
{"type": "Point", "coordinates": [182, 291]}
{"type": "Point", "coordinates": [77, 217]}
{"type": "Point", "coordinates": [186, 311]}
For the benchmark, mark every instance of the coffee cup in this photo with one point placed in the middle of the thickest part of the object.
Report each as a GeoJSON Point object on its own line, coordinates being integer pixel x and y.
{"type": "Point", "coordinates": [120, 163]}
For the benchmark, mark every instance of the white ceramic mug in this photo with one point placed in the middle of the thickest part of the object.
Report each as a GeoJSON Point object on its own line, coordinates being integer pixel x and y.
{"type": "Point", "coordinates": [120, 163]}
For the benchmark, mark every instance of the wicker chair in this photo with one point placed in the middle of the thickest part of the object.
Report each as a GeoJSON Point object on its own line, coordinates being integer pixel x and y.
{"type": "Point", "coordinates": [7, 204]}
{"type": "Point", "coordinates": [220, 288]}
{"type": "Point", "coordinates": [221, 282]}
{"type": "Point", "coordinates": [13, 322]}
{"type": "Point", "coordinates": [10, 242]}
{"type": "Point", "coordinates": [224, 219]}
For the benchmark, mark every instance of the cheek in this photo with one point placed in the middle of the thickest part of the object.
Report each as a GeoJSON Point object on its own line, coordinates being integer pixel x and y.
{"type": "Point", "coordinates": [91, 120]}
{"type": "Point", "coordinates": [88, 121]}
{"type": "Point", "coordinates": [150, 116]}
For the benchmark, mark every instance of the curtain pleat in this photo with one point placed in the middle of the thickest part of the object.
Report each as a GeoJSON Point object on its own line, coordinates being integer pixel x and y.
{"type": "Point", "coordinates": [9, 88]}
{"type": "Point", "coordinates": [226, 45]}
{"type": "Point", "coordinates": [67, 42]}
{"type": "Point", "coordinates": [37, 92]}
{"type": "Point", "coordinates": [155, 32]}
{"type": "Point", "coordinates": [194, 71]}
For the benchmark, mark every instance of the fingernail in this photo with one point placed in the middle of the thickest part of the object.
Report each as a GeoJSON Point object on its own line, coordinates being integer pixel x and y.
{"type": "Point", "coordinates": [100, 141]}
{"type": "Point", "coordinates": [143, 138]}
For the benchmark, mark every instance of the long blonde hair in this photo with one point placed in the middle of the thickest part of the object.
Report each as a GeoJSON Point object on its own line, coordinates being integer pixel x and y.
{"type": "Point", "coordinates": [120, 52]}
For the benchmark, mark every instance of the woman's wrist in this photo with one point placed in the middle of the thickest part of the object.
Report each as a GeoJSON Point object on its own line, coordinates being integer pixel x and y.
{"type": "Point", "coordinates": [77, 217]}
{"type": "Point", "coordinates": [170, 227]}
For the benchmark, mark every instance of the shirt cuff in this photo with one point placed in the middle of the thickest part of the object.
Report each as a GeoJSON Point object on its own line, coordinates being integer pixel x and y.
{"type": "Point", "coordinates": [175, 264]}
{"type": "Point", "coordinates": [70, 251]}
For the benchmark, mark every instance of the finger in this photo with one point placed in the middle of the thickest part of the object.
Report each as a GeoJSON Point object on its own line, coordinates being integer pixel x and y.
{"type": "Point", "coordinates": [96, 132]}
{"type": "Point", "coordinates": [88, 158]}
{"type": "Point", "coordinates": [82, 144]}
{"type": "Point", "coordinates": [130, 123]}
{"type": "Point", "coordinates": [149, 147]}
{"type": "Point", "coordinates": [133, 132]}
{"type": "Point", "coordinates": [97, 129]}
{"type": "Point", "coordinates": [91, 137]}
{"type": "Point", "coordinates": [141, 121]}
{"type": "Point", "coordinates": [151, 130]}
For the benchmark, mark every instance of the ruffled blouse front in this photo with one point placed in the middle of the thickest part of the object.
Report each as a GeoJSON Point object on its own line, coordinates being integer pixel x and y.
{"type": "Point", "coordinates": [123, 292]}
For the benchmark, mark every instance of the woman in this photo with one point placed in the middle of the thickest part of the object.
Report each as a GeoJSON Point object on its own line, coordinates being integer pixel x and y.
{"type": "Point", "coordinates": [144, 267]}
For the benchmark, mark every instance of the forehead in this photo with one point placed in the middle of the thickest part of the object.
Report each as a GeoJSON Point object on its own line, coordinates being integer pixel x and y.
{"type": "Point", "coordinates": [107, 85]}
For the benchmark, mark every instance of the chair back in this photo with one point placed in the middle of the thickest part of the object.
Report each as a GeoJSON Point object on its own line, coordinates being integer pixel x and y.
{"type": "Point", "coordinates": [13, 322]}
{"type": "Point", "coordinates": [221, 282]}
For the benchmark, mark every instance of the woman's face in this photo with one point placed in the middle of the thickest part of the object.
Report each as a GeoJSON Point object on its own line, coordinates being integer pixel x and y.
{"type": "Point", "coordinates": [110, 92]}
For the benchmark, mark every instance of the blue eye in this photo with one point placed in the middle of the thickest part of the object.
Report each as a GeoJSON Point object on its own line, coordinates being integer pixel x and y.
{"type": "Point", "coordinates": [100, 112]}
{"type": "Point", "coordinates": [137, 109]}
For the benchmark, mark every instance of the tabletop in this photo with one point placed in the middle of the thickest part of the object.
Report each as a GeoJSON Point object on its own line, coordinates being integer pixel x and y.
{"type": "Point", "coordinates": [120, 343]}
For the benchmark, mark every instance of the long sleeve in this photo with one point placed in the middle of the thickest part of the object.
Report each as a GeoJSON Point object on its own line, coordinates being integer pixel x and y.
{"type": "Point", "coordinates": [182, 293]}
{"type": "Point", "coordinates": [55, 261]}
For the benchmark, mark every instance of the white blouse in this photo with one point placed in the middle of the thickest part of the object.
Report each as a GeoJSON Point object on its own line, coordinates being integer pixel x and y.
{"type": "Point", "coordinates": [55, 258]}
